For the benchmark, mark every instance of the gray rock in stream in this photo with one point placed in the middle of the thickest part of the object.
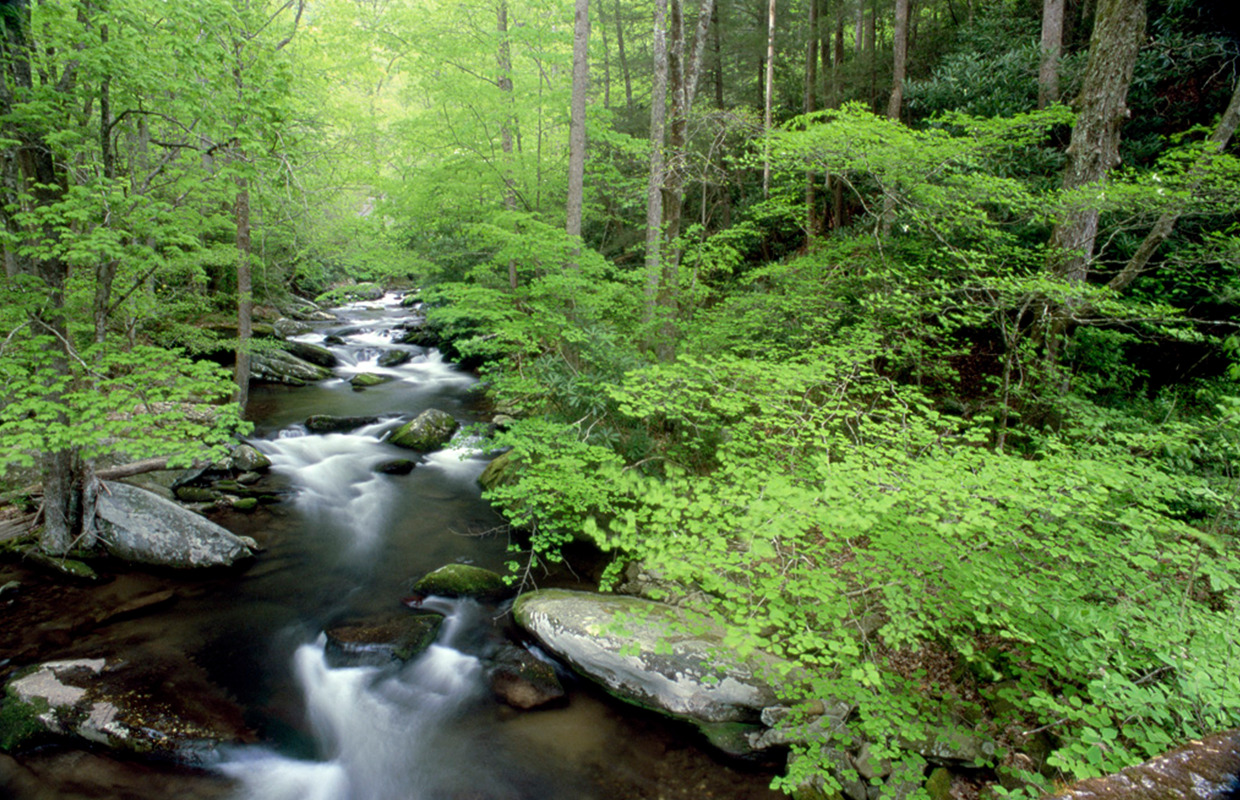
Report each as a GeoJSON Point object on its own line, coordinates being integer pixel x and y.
{"type": "Point", "coordinates": [1203, 769]}
{"type": "Point", "coordinates": [136, 525]}
{"type": "Point", "coordinates": [313, 353]}
{"type": "Point", "coordinates": [277, 366]}
{"type": "Point", "coordinates": [430, 430]}
{"type": "Point", "coordinates": [655, 655]}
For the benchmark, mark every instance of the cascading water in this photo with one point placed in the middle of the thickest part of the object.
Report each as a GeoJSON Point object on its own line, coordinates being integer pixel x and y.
{"type": "Point", "coordinates": [342, 548]}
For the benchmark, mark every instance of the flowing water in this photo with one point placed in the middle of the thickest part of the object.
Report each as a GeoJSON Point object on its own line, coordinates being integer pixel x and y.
{"type": "Point", "coordinates": [343, 547]}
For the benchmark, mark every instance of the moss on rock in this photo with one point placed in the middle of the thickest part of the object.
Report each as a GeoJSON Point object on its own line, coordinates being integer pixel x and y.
{"type": "Point", "coordinates": [462, 580]}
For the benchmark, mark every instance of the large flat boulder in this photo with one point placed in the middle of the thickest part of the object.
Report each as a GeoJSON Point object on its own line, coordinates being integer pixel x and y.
{"type": "Point", "coordinates": [430, 430]}
{"type": "Point", "coordinates": [278, 366]}
{"type": "Point", "coordinates": [655, 655]}
{"type": "Point", "coordinates": [139, 526]}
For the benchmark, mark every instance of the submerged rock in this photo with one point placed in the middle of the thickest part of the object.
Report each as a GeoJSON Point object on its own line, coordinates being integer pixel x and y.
{"type": "Point", "coordinates": [278, 366]}
{"type": "Point", "coordinates": [655, 655]}
{"type": "Point", "coordinates": [373, 644]}
{"type": "Point", "coordinates": [522, 680]}
{"type": "Point", "coordinates": [326, 423]}
{"type": "Point", "coordinates": [1203, 769]}
{"type": "Point", "coordinates": [462, 580]}
{"type": "Point", "coordinates": [136, 525]}
{"type": "Point", "coordinates": [430, 430]}
{"type": "Point", "coordinates": [394, 358]}
{"type": "Point", "coordinates": [113, 704]}
{"type": "Point", "coordinates": [396, 466]}
{"type": "Point", "coordinates": [291, 327]}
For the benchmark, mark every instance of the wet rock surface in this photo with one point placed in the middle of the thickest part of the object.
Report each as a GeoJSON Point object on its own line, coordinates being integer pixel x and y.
{"type": "Point", "coordinates": [326, 423]}
{"type": "Point", "coordinates": [139, 526]}
{"type": "Point", "coordinates": [278, 366]}
{"type": "Point", "coordinates": [652, 654]}
{"type": "Point", "coordinates": [165, 710]}
{"type": "Point", "coordinates": [430, 430]}
{"type": "Point", "coordinates": [462, 580]}
{"type": "Point", "coordinates": [379, 642]}
{"type": "Point", "coordinates": [1203, 769]}
{"type": "Point", "coordinates": [522, 680]}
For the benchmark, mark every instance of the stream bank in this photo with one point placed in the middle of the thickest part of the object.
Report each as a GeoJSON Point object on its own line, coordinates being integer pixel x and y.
{"type": "Point", "coordinates": [343, 546]}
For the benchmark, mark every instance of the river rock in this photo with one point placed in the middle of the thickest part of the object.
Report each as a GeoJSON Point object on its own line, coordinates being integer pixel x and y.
{"type": "Point", "coordinates": [136, 525]}
{"type": "Point", "coordinates": [313, 353]}
{"type": "Point", "coordinates": [393, 358]}
{"type": "Point", "coordinates": [364, 379]}
{"type": "Point", "coordinates": [247, 458]}
{"type": "Point", "coordinates": [462, 580]}
{"type": "Point", "coordinates": [655, 655]}
{"type": "Point", "coordinates": [113, 704]}
{"type": "Point", "coordinates": [522, 680]}
{"type": "Point", "coordinates": [291, 327]}
{"type": "Point", "coordinates": [278, 366]}
{"type": "Point", "coordinates": [430, 430]}
{"type": "Point", "coordinates": [1203, 769]}
{"type": "Point", "coordinates": [396, 466]}
{"type": "Point", "coordinates": [326, 423]}
{"type": "Point", "coordinates": [373, 644]}
{"type": "Point", "coordinates": [498, 473]}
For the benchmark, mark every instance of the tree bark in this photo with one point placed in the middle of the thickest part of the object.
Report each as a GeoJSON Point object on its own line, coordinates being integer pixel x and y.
{"type": "Point", "coordinates": [504, 59]}
{"type": "Point", "coordinates": [654, 186]}
{"type": "Point", "coordinates": [602, 30]}
{"type": "Point", "coordinates": [810, 104]}
{"type": "Point", "coordinates": [1052, 50]}
{"type": "Point", "coordinates": [900, 61]}
{"type": "Point", "coordinates": [1119, 30]}
{"type": "Point", "coordinates": [245, 294]}
{"type": "Point", "coordinates": [769, 99]}
{"type": "Point", "coordinates": [624, 61]}
{"type": "Point", "coordinates": [577, 124]}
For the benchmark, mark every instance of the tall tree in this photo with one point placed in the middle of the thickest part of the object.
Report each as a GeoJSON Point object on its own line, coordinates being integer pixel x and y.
{"type": "Point", "coordinates": [768, 98]}
{"type": "Point", "coordinates": [900, 60]}
{"type": "Point", "coordinates": [577, 118]}
{"type": "Point", "coordinates": [1119, 28]}
{"type": "Point", "coordinates": [1052, 50]}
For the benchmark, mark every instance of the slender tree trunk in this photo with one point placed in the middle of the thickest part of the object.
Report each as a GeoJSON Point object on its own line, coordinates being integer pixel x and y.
{"type": "Point", "coordinates": [654, 187]}
{"type": "Point", "coordinates": [900, 61]}
{"type": "Point", "coordinates": [504, 59]}
{"type": "Point", "coordinates": [769, 99]}
{"type": "Point", "coordinates": [577, 123]}
{"type": "Point", "coordinates": [602, 30]}
{"type": "Point", "coordinates": [624, 61]}
{"type": "Point", "coordinates": [105, 270]}
{"type": "Point", "coordinates": [1052, 50]}
{"type": "Point", "coordinates": [811, 91]}
{"type": "Point", "coordinates": [859, 31]}
{"type": "Point", "coordinates": [1094, 148]}
{"type": "Point", "coordinates": [837, 63]}
{"type": "Point", "coordinates": [245, 293]}
{"type": "Point", "coordinates": [871, 49]}
{"type": "Point", "coordinates": [718, 47]}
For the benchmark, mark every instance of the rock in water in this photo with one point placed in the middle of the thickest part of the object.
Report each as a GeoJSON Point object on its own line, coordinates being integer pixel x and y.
{"type": "Point", "coordinates": [312, 353]}
{"type": "Point", "coordinates": [114, 704]}
{"type": "Point", "coordinates": [394, 358]}
{"type": "Point", "coordinates": [522, 680]}
{"type": "Point", "coordinates": [278, 366]}
{"type": "Point", "coordinates": [1203, 769]}
{"type": "Point", "coordinates": [655, 655]}
{"type": "Point", "coordinates": [373, 644]}
{"type": "Point", "coordinates": [431, 430]}
{"type": "Point", "coordinates": [364, 379]}
{"type": "Point", "coordinates": [136, 525]}
{"type": "Point", "coordinates": [326, 423]}
{"type": "Point", "coordinates": [462, 580]}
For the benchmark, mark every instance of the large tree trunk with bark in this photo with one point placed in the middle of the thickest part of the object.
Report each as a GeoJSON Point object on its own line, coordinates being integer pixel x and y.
{"type": "Point", "coordinates": [654, 186]}
{"type": "Point", "coordinates": [1094, 149]}
{"type": "Point", "coordinates": [245, 294]}
{"type": "Point", "coordinates": [768, 95]}
{"type": "Point", "coordinates": [504, 59]}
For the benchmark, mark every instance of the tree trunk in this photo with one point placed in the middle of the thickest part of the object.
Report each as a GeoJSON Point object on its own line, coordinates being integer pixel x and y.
{"type": "Point", "coordinates": [654, 187]}
{"type": "Point", "coordinates": [717, 29]}
{"type": "Point", "coordinates": [577, 124]}
{"type": "Point", "coordinates": [504, 59]}
{"type": "Point", "coordinates": [810, 104]}
{"type": "Point", "coordinates": [769, 99]}
{"type": "Point", "coordinates": [1119, 30]}
{"type": "Point", "coordinates": [1052, 50]}
{"type": "Point", "coordinates": [871, 50]}
{"type": "Point", "coordinates": [900, 62]}
{"type": "Point", "coordinates": [245, 294]}
{"type": "Point", "coordinates": [602, 30]}
{"type": "Point", "coordinates": [624, 61]}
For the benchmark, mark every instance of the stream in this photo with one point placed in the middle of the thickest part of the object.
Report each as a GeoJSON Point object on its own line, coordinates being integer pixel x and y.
{"type": "Point", "coordinates": [343, 546]}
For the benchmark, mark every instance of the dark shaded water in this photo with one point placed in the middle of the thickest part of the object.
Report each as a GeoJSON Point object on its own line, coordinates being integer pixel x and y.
{"type": "Point", "coordinates": [343, 548]}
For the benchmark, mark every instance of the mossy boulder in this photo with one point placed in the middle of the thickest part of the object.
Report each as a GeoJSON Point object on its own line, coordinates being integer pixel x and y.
{"type": "Point", "coordinates": [499, 472]}
{"type": "Point", "coordinates": [247, 458]}
{"type": "Point", "coordinates": [522, 680]}
{"type": "Point", "coordinates": [278, 366]}
{"type": "Point", "coordinates": [381, 642]}
{"type": "Point", "coordinates": [363, 380]}
{"type": "Point", "coordinates": [463, 580]}
{"type": "Point", "coordinates": [1204, 769]}
{"type": "Point", "coordinates": [430, 430]}
{"type": "Point", "coordinates": [396, 466]}
{"type": "Point", "coordinates": [326, 423]}
{"type": "Point", "coordinates": [394, 358]}
{"type": "Point", "coordinates": [315, 354]}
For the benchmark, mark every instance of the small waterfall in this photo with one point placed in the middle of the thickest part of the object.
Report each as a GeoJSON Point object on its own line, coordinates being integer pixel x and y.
{"type": "Point", "coordinates": [381, 731]}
